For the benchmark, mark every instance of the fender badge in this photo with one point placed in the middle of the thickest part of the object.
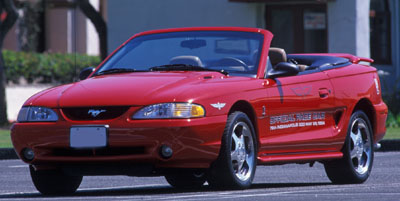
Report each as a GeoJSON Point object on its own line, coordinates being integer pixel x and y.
{"type": "Point", "coordinates": [218, 105]}
{"type": "Point", "coordinates": [95, 113]}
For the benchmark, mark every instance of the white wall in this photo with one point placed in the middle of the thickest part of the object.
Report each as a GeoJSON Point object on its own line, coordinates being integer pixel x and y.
{"type": "Point", "coordinates": [362, 28]}
{"type": "Point", "coordinates": [348, 27]}
{"type": "Point", "coordinates": [16, 97]}
{"type": "Point", "coordinates": [128, 17]}
{"type": "Point", "coordinates": [92, 38]}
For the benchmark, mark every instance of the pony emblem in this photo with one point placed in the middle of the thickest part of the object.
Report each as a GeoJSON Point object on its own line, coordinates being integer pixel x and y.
{"type": "Point", "coordinates": [95, 113]}
{"type": "Point", "coordinates": [218, 105]}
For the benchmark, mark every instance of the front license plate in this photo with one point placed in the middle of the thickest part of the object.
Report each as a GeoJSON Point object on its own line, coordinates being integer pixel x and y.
{"type": "Point", "coordinates": [88, 136]}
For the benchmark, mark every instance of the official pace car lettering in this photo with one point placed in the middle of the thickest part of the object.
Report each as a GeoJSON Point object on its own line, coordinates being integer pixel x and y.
{"type": "Point", "coordinates": [304, 119]}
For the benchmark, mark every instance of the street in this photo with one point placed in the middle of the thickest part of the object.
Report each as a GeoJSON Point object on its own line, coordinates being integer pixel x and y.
{"type": "Point", "coordinates": [286, 182]}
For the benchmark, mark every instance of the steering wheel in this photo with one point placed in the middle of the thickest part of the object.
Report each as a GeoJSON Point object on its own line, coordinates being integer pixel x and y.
{"type": "Point", "coordinates": [231, 61]}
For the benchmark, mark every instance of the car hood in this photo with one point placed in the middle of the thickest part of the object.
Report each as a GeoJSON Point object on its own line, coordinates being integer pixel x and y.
{"type": "Point", "coordinates": [137, 89]}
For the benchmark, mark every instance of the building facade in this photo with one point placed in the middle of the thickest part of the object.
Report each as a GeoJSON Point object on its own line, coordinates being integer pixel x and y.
{"type": "Point", "coordinates": [62, 28]}
{"type": "Point", "coordinates": [367, 28]}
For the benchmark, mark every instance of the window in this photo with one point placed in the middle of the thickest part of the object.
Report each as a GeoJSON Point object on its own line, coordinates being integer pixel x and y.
{"type": "Point", "coordinates": [235, 52]}
{"type": "Point", "coordinates": [298, 28]}
{"type": "Point", "coordinates": [380, 37]}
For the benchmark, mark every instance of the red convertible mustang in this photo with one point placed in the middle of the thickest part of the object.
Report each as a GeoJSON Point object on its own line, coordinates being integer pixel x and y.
{"type": "Point", "coordinates": [203, 104]}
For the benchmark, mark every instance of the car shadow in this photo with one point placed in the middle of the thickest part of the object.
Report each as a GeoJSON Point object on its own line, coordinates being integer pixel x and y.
{"type": "Point", "coordinates": [157, 190]}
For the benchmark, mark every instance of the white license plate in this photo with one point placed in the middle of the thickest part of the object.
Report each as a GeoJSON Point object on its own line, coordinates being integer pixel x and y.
{"type": "Point", "coordinates": [88, 136]}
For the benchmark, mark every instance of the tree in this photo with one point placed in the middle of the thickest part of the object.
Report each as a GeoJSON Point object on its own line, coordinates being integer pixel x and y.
{"type": "Point", "coordinates": [98, 22]}
{"type": "Point", "coordinates": [5, 25]}
{"type": "Point", "coordinates": [28, 24]}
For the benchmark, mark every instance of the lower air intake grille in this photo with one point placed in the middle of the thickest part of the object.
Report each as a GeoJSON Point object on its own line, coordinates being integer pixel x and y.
{"type": "Point", "coordinates": [115, 151]}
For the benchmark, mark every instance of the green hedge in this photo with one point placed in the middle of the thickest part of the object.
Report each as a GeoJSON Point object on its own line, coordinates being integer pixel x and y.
{"type": "Point", "coordinates": [392, 100]}
{"type": "Point", "coordinates": [393, 121]}
{"type": "Point", "coordinates": [57, 68]}
{"type": "Point", "coordinates": [52, 68]}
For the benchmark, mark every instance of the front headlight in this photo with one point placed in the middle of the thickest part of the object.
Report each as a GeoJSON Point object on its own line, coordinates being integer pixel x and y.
{"type": "Point", "coordinates": [36, 114]}
{"type": "Point", "coordinates": [170, 110]}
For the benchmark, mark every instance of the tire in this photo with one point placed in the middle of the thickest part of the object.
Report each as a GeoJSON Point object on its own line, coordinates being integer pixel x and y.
{"type": "Point", "coordinates": [358, 153]}
{"type": "Point", "coordinates": [187, 180]}
{"type": "Point", "coordinates": [54, 182]}
{"type": "Point", "coordinates": [236, 163]}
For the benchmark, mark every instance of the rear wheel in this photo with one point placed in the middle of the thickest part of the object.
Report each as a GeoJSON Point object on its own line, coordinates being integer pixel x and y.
{"type": "Point", "coordinates": [236, 164]}
{"type": "Point", "coordinates": [358, 153]}
{"type": "Point", "coordinates": [54, 182]}
{"type": "Point", "coordinates": [187, 179]}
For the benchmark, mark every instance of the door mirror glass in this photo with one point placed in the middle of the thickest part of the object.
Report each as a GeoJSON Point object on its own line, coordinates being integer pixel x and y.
{"type": "Point", "coordinates": [86, 72]}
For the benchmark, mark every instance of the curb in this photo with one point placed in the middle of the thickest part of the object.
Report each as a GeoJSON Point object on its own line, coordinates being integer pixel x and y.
{"type": "Point", "coordinates": [387, 145]}
{"type": "Point", "coordinates": [7, 153]}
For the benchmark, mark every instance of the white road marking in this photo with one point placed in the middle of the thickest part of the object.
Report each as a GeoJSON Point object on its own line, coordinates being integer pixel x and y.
{"type": "Point", "coordinates": [119, 187]}
{"type": "Point", "coordinates": [209, 195]}
{"type": "Point", "coordinates": [84, 189]}
{"type": "Point", "coordinates": [224, 195]}
{"type": "Point", "coordinates": [18, 166]}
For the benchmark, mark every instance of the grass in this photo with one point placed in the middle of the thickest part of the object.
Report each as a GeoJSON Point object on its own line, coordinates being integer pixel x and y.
{"type": "Point", "coordinates": [5, 139]}
{"type": "Point", "coordinates": [392, 133]}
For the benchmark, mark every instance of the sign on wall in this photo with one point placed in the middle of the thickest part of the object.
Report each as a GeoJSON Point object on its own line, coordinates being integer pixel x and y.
{"type": "Point", "coordinates": [314, 21]}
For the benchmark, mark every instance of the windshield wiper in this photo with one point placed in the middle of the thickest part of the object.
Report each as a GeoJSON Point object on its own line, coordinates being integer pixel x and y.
{"type": "Point", "coordinates": [119, 70]}
{"type": "Point", "coordinates": [184, 67]}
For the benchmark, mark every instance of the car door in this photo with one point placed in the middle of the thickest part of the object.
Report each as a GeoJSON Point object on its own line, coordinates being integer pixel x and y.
{"type": "Point", "coordinates": [300, 114]}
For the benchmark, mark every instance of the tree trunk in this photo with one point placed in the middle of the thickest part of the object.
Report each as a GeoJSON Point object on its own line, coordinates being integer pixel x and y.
{"type": "Point", "coordinates": [5, 26]}
{"type": "Point", "coordinates": [3, 103]}
{"type": "Point", "coordinates": [98, 22]}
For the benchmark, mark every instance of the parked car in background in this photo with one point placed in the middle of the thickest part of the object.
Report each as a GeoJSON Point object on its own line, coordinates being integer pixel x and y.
{"type": "Point", "coordinates": [203, 104]}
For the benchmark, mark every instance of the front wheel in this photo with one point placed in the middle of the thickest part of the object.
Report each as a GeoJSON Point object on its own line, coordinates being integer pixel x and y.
{"type": "Point", "coordinates": [236, 164]}
{"type": "Point", "coordinates": [358, 153]}
{"type": "Point", "coordinates": [54, 182]}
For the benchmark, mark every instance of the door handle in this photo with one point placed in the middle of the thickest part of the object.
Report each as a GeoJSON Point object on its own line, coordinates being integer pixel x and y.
{"type": "Point", "coordinates": [324, 93]}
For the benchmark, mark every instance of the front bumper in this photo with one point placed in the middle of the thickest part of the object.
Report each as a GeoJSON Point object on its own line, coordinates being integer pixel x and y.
{"type": "Point", "coordinates": [195, 142]}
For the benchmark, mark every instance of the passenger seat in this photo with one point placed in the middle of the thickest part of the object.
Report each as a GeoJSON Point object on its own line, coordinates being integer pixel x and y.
{"type": "Point", "coordinates": [277, 55]}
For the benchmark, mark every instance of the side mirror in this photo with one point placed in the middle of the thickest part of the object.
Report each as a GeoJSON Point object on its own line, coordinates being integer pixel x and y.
{"type": "Point", "coordinates": [283, 69]}
{"type": "Point", "coordinates": [86, 72]}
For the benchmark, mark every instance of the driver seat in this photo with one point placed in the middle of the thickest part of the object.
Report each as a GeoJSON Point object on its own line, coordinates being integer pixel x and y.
{"type": "Point", "coordinates": [277, 55]}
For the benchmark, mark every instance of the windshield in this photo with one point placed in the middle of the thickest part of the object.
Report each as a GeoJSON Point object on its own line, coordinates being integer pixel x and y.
{"type": "Point", "coordinates": [232, 52]}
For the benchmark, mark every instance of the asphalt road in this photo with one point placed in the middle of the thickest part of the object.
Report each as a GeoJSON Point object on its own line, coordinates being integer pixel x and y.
{"type": "Point", "coordinates": [285, 182]}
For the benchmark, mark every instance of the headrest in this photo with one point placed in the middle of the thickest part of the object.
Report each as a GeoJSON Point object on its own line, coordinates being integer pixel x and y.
{"type": "Point", "coordinates": [186, 59]}
{"type": "Point", "coordinates": [277, 55]}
